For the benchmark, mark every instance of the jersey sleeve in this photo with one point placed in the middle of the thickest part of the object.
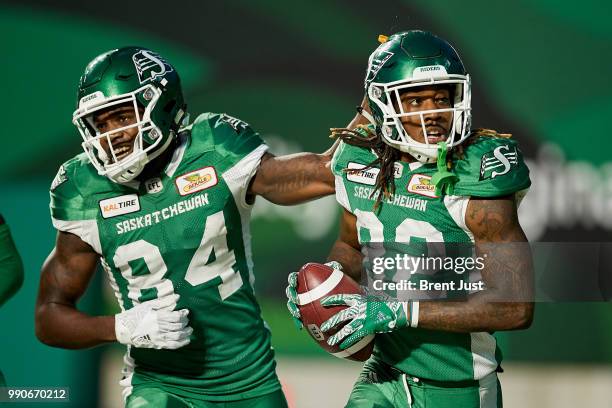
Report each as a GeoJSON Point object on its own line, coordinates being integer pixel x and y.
{"type": "Point", "coordinates": [231, 138]}
{"type": "Point", "coordinates": [238, 147]}
{"type": "Point", "coordinates": [69, 210]}
{"type": "Point", "coordinates": [491, 167]}
{"type": "Point", "coordinates": [346, 152]}
{"type": "Point", "coordinates": [67, 204]}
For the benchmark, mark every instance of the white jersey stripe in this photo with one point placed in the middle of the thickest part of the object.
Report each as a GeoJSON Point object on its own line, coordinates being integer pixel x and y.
{"type": "Point", "coordinates": [488, 391]}
{"type": "Point", "coordinates": [457, 207]}
{"type": "Point", "coordinates": [341, 195]}
{"type": "Point", "coordinates": [483, 354]}
{"type": "Point", "coordinates": [237, 179]}
{"type": "Point", "coordinates": [87, 230]}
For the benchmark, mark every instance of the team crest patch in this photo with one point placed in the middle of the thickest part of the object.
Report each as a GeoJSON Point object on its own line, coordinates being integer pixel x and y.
{"type": "Point", "coordinates": [422, 185]}
{"type": "Point", "coordinates": [149, 66]}
{"type": "Point", "coordinates": [236, 124]}
{"type": "Point", "coordinates": [498, 162]}
{"type": "Point", "coordinates": [60, 178]}
{"type": "Point", "coordinates": [197, 180]}
{"type": "Point", "coordinates": [125, 204]}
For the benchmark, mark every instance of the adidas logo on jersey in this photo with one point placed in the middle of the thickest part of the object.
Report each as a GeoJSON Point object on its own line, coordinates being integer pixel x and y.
{"type": "Point", "coordinates": [421, 184]}
{"type": "Point", "coordinates": [197, 180]}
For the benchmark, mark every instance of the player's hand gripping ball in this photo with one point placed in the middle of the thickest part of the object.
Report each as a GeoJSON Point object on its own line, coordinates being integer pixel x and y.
{"type": "Point", "coordinates": [306, 288]}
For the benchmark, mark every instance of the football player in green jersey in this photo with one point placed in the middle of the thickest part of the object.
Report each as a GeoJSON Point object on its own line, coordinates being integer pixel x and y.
{"type": "Point", "coordinates": [164, 206]}
{"type": "Point", "coordinates": [419, 175]}
{"type": "Point", "coordinates": [11, 270]}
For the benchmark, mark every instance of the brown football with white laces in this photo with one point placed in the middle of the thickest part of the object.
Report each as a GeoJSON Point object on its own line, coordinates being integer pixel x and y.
{"type": "Point", "coordinates": [316, 281]}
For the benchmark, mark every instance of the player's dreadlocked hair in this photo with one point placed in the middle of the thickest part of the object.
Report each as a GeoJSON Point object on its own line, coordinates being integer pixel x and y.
{"type": "Point", "coordinates": [387, 155]}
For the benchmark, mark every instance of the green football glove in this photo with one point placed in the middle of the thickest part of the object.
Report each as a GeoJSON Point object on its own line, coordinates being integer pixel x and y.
{"type": "Point", "coordinates": [291, 292]}
{"type": "Point", "coordinates": [365, 315]}
{"type": "Point", "coordinates": [292, 303]}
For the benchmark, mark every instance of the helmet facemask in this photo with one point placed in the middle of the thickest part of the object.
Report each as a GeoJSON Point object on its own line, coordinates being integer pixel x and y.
{"type": "Point", "coordinates": [146, 144]}
{"type": "Point", "coordinates": [386, 97]}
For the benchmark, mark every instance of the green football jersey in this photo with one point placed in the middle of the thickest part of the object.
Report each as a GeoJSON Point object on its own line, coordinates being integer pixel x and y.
{"type": "Point", "coordinates": [184, 232]}
{"type": "Point", "coordinates": [415, 216]}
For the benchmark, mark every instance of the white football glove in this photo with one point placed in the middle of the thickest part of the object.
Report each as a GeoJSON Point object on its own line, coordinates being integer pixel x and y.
{"type": "Point", "coordinates": [153, 324]}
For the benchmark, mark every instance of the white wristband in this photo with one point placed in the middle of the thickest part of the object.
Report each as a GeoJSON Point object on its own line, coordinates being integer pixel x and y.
{"type": "Point", "coordinates": [414, 313]}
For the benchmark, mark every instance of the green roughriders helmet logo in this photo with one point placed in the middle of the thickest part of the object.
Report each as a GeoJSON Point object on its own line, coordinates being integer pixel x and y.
{"type": "Point", "coordinates": [376, 63]}
{"type": "Point", "coordinates": [498, 162]}
{"type": "Point", "coordinates": [150, 65]}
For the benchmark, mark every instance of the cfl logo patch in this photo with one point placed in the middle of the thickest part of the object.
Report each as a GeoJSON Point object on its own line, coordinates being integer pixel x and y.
{"type": "Point", "coordinates": [315, 332]}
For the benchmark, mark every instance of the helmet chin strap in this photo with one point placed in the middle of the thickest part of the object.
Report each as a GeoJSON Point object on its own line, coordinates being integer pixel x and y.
{"type": "Point", "coordinates": [366, 115]}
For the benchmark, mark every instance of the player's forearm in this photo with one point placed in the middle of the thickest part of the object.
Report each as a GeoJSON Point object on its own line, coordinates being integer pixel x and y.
{"type": "Point", "coordinates": [504, 304]}
{"type": "Point", "coordinates": [60, 325]}
{"type": "Point", "coordinates": [349, 258]}
{"type": "Point", "coordinates": [294, 178]}
{"type": "Point", "coordinates": [477, 314]}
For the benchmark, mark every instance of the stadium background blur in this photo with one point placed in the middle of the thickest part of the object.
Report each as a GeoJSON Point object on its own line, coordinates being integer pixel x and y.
{"type": "Point", "coordinates": [540, 69]}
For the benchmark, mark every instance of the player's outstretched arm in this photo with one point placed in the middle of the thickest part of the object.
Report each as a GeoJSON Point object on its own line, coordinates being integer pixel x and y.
{"type": "Point", "coordinates": [294, 178]}
{"type": "Point", "coordinates": [508, 275]}
{"type": "Point", "coordinates": [11, 266]}
{"type": "Point", "coordinates": [297, 178]}
{"type": "Point", "coordinates": [65, 275]}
